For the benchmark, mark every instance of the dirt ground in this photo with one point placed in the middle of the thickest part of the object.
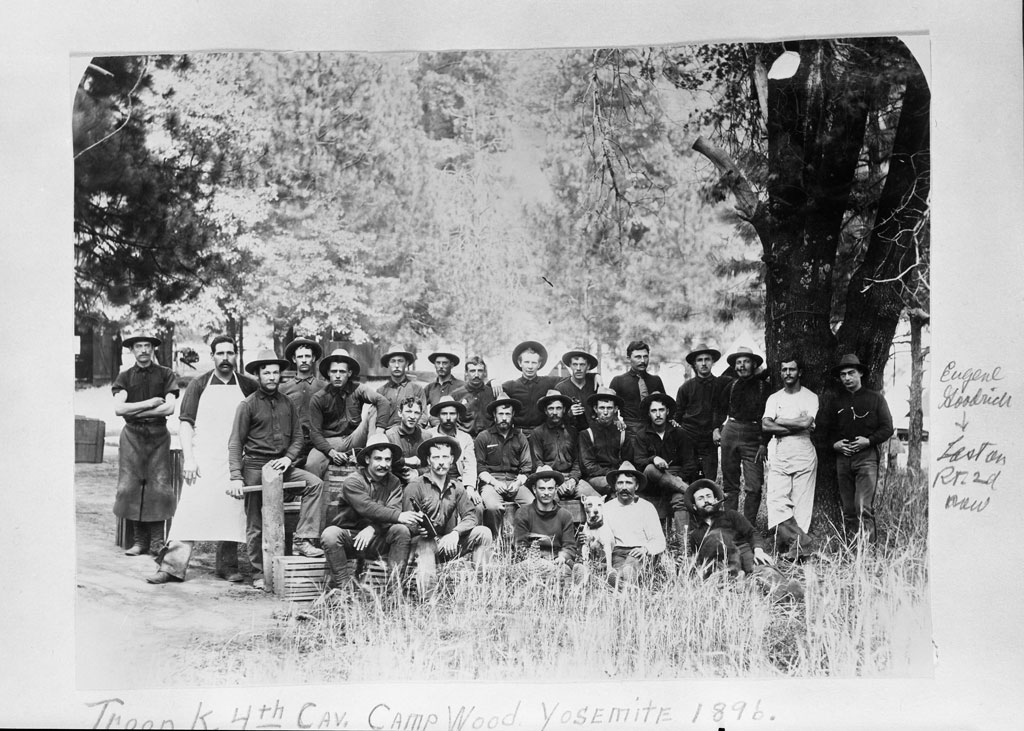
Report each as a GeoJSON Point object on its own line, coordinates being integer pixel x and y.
{"type": "Point", "coordinates": [131, 634]}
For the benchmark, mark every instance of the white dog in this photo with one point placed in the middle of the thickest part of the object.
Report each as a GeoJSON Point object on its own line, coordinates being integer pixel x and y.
{"type": "Point", "coordinates": [595, 532]}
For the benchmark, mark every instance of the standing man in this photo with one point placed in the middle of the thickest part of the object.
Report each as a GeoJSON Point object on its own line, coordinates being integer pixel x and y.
{"type": "Point", "coordinates": [336, 420]}
{"type": "Point", "coordinates": [476, 396]}
{"type": "Point", "coordinates": [205, 511]}
{"type": "Point", "coordinates": [449, 413]}
{"type": "Point", "coordinates": [408, 435]}
{"type": "Point", "coordinates": [741, 408]}
{"type": "Point", "coordinates": [529, 357]}
{"type": "Point", "coordinates": [144, 396]}
{"type": "Point", "coordinates": [579, 386]}
{"type": "Point", "coordinates": [635, 526]}
{"type": "Point", "coordinates": [304, 353]}
{"type": "Point", "coordinates": [399, 386]}
{"type": "Point", "coordinates": [370, 520]}
{"type": "Point", "coordinates": [857, 426]}
{"type": "Point", "coordinates": [695, 409]}
{"type": "Point", "coordinates": [636, 384]}
{"type": "Point", "coordinates": [266, 431]}
{"type": "Point", "coordinates": [665, 455]}
{"type": "Point", "coordinates": [603, 445]}
{"type": "Point", "coordinates": [503, 462]}
{"type": "Point", "coordinates": [555, 444]}
{"type": "Point", "coordinates": [445, 384]}
{"type": "Point", "coordinates": [789, 417]}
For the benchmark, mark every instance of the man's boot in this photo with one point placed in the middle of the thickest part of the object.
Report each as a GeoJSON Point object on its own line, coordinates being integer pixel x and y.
{"type": "Point", "coordinates": [140, 544]}
{"type": "Point", "coordinates": [801, 545]}
{"type": "Point", "coordinates": [751, 505]}
{"type": "Point", "coordinates": [156, 537]}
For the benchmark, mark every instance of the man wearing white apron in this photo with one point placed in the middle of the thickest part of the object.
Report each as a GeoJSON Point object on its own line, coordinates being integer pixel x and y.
{"type": "Point", "coordinates": [205, 511]}
{"type": "Point", "coordinates": [789, 417]}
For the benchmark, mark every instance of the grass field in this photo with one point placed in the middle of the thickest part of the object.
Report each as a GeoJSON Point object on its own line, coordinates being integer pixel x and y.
{"type": "Point", "coordinates": [865, 615]}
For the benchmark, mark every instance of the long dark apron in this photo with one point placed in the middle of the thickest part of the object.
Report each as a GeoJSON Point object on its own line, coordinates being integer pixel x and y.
{"type": "Point", "coordinates": [144, 488]}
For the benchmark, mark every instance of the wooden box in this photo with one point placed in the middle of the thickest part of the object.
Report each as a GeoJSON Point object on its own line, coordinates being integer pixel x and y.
{"type": "Point", "coordinates": [298, 579]}
{"type": "Point", "coordinates": [89, 439]}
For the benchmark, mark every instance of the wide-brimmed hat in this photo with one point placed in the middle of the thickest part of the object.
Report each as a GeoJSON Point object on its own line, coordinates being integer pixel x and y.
{"type": "Point", "coordinates": [423, 451]}
{"type": "Point", "coordinates": [545, 473]}
{"type": "Point", "coordinates": [604, 394]}
{"type": "Point", "coordinates": [626, 468]}
{"type": "Point", "coordinates": [410, 358]}
{"type": "Point", "coordinates": [591, 359]}
{"type": "Point", "coordinates": [744, 350]}
{"type": "Point", "coordinates": [850, 360]}
{"type": "Point", "coordinates": [435, 410]}
{"type": "Point", "coordinates": [702, 349]}
{"type": "Point", "coordinates": [504, 400]}
{"type": "Point", "coordinates": [339, 355]}
{"type": "Point", "coordinates": [265, 357]}
{"type": "Point", "coordinates": [129, 341]}
{"type": "Point", "coordinates": [376, 441]}
{"type": "Point", "coordinates": [290, 348]}
{"type": "Point", "coordinates": [700, 485]}
{"type": "Point", "coordinates": [448, 354]}
{"type": "Point", "coordinates": [645, 405]}
{"type": "Point", "coordinates": [529, 345]}
{"type": "Point", "coordinates": [553, 395]}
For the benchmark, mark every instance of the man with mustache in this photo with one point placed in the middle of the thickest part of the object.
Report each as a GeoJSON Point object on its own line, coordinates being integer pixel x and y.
{"type": "Point", "coordinates": [449, 413]}
{"type": "Point", "coordinates": [603, 445]}
{"type": "Point", "coordinates": [503, 461]}
{"type": "Point", "coordinates": [579, 386]}
{"type": "Point", "coordinates": [635, 526]}
{"type": "Point", "coordinates": [370, 520]}
{"type": "Point", "coordinates": [476, 395]}
{"type": "Point", "coordinates": [144, 395]}
{"type": "Point", "coordinates": [738, 418]}
{"type": "Point", "coordinates": [399, 387]}
{"type": "Point", "coordinates": [529, 357]}
{"type": "Point", "coordinates": [695, 409]}
{"type": "Point", "coordinates": [266, 432]}
{"type": "Point", "coordinates": [304, 353]}
{"type": "Point", "coordinates": [636, 384]}
{"type": "Point", "coordinates": [445, 384]}
{"type": "Point", "coordinates": [556, 444]}
{"type": "Point", "coordinates": [336, 422]}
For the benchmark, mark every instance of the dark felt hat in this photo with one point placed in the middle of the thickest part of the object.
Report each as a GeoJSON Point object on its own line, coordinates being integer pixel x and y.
{"type": "Point", "coordinates": [290, 348]}
{"type": "Point", "coordinates": [645, 405]}
{"type": "Point", "coordinates": [339, 355]}
{"type": "Point", "coordinates": [423, 451]}
{"type": "Point", "coordinates": [699, 485]}
{"type": "Point", "coordinates": [545, 473]}
{"type": "Point", "coordinates": [591, 359]}
{"type": "Point", "coordinates": [626, 468]}
{"type": "Point", "coordinates": [129, 341]}
{"type": "Point", "coordinates": [744, 350]}
{"type": "Point", "coordinates": [504, 400]}
{"type": "Point", "coordinates": [850, 360]}
{"type": "Point", "coordinates": [529, 345]}
{"type": "Point", "coordinates": [410, 358]}
{"type": "Point", "coordinates": [451, 356]}
{"type": "Point", "coordinates": [377, 441]}
{"type": "Point", "coordinates": [553, 395]}
{"type": "Point", "coordinates": [435, 410]}
{"type": "Point", "coordinates": [604, 394]}
{"type": "Point", "coordinates": [265, 357]}
{"type": "Point", "coordinates": [702, 349]}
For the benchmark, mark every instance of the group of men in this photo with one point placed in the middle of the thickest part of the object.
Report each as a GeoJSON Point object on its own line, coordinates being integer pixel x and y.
{"type": "Point", "coordinates": [432, 468]}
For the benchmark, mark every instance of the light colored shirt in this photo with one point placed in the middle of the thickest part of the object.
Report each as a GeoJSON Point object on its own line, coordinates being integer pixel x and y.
{"type": "Point", "coordinates": [635, 525]}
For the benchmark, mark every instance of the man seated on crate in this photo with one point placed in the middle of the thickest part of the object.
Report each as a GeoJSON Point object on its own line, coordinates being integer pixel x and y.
{"type": "Point", "coordinates": [448, 525]}
{"type": "Point", "coordinates": [267, 432]}
{"type": "Point", "coordinates": [370, 522]}
{"type": "Point", "coordinates": [605, 444]}
{"type": "Point", "coordinates": [634, 525]}
{"type": "Point", "coordinates": [723, 538]}
{"type": "Point", "coordinates": [449, 413]}
{"type": "Point", "coordinates": [336, 422]}
{"type": "Point", "coordinates": [544, 532]}
{"type": "Point", "coordinates": [557, 444]}
{"type": "Point", "coordinates": [503, 461]}
{"type": "Point", "coordinates": [665, 455]}
{"type": "Point", "coordinates": [408, 434]}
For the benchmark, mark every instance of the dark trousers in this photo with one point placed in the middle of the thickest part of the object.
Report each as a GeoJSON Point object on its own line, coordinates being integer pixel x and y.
{"type": "Point", "coordinates": [705, 455]}
{"type": "Point", "coordinates": [740, 443]}
{"type": "Point", "coordinates": [666, 490]}
{"type": "Point", "coordinates": [858, 479]}
{"type": "Point", "coordinates": [392, 541]}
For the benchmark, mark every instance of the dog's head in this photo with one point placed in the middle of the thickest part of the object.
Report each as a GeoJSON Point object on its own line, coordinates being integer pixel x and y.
{"type": "Point", "coordinates": [593, 506]}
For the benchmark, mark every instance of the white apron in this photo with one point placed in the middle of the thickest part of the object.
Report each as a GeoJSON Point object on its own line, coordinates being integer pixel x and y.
{"type": "Point", "coordinates": [205, 511]}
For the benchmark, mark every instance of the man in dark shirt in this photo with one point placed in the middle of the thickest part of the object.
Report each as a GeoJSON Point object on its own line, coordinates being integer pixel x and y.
{"type": "Point", "coordinates": [579, 386]}
{"type": "Point", "coordinates": [399, 386]}
{"type": "Point", "coordinates": [636, 384]}
{"type": "Point", "coordinates": [370, 520]}
{"type": "Point", "coordinates": [408, 435]}
{"type": "Point", "coordinates": [144, 396]}
{"type": "Point", "coordinates": [476, 396]}
{"type": "Point", "coordinates": [546, 527]}
{"type": "Point", "coordinates": [603, 445]}
{"type": "Point", "coordinates": [336, 419]}
{"type": "Point", "coordinates": [267, 432]}
{"type": "Point", "coordinates": [529, 357]}
{"type": "Point", "coordinates": [555, 444]}
{"type": "Point", "coordinates": [503, 462]}
{"type": "Point", "coordinates": [445, 384]}
{"type": "Point", "coordinates": [665, 455]}
{"type": "Point", "coordinates": [857, 423]}
{"type": "Point", "coordinates": [695, 409]}
{"type": "Point", "coordinates": [304, 353]}
{"type": "Point", "coordinates": [738, 429]}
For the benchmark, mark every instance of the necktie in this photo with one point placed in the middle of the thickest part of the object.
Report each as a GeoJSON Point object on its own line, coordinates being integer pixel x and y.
{"type": "Point", "coordinates": [642, 384]}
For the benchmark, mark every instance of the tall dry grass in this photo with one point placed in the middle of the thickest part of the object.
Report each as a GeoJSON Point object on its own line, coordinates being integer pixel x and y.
{"type": "Point", "coordinates": [865, 614]}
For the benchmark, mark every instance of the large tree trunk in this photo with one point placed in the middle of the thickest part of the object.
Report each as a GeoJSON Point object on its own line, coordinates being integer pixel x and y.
{"type": "Point", "coordinates": [916, 426]}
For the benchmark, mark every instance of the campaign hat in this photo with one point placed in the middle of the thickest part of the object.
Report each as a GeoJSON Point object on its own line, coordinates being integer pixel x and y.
{"type": "Point", "coordinates": [744, 350]}
{"type": "Point", "coordinates": [290, 348]}
{"type": "Point", "coordinates": [645, 405]}
{"type": "Point", "coordinates": [553, 395]}
{"type": "Point", "coordinates": [410, 357]}
{"type": "Point", "coordinates": [529, 345]}
{"type": "Point", "coordinates": [423, 451]}
{"type": "Point", "coordinates": [545, 473]}
{"type": "Point", "coordinates": [265, 357]}
{"type": "Point", "coordinates": [702, 349]}
{"type": "Point", "coordinates": [435, 410]}
{"type": "Point", "coordinates": [129, 341]}
{"type": "Point", "coordinates": [850, 360]}
{"type": "Point", "coordinates": [626, 468]}
{"type": "Point", "coordinates": [339, 355]}
{"type": "Point", "coordinates": [591, 358]}
{"type": "Point", "coordinates": [604, 394]}
{"type": "Point", "coordinates": [504, 399]}
{"type": "Point", "coordinates": [376, 441]}
{"type": "Point", "coordinates": [448, 354]}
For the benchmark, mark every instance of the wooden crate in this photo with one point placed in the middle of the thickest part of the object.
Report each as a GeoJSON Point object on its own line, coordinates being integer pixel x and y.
{"type": "Point", "coordinates": [89, 439]}
{"type": "Point", "coordinates": [297, 578]}
{"type": "Point", "coordinates": [336, 474]}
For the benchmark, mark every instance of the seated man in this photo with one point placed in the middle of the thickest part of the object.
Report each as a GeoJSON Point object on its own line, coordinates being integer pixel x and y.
{"type": "Point", "coordinates": [545, 525]}
{"type": "Point", "coordinates": [370, 521]}
{"type": "Point", "coordinates": [556, 444]}
{"type": "Point", "coordinates": [664, 453]}
{"type": "Point", "coordinates": [605, 444]}
{"type": "Point", "coordinates": [449, 413]}
{"type": "Point", "coordinates": [448, 525]}
{"type": "Point", "coordinates": [721, 536]}
{"type": "Point", "coordinates": [503, 462]}
{"type": "Point", "coordinates": [634, 525]}
{"type": "Point", "coordinates": [408, 435]}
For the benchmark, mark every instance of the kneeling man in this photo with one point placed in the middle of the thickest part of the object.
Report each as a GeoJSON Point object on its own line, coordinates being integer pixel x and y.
{"type": "Point", "coordinates": [634, 525]}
